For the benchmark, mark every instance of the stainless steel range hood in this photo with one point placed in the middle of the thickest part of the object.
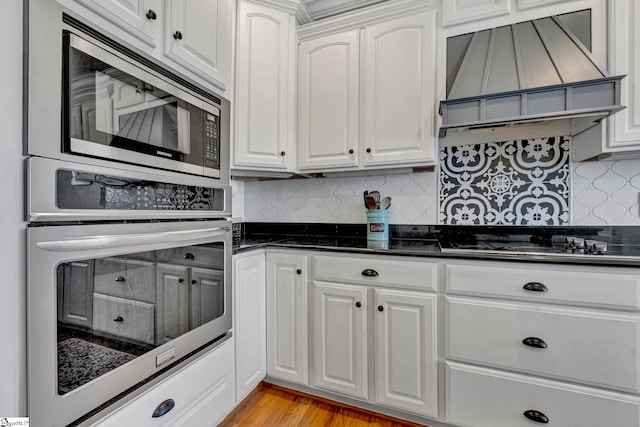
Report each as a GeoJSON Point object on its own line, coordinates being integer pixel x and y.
{"type": "Point", "coordinates": [528, 73]}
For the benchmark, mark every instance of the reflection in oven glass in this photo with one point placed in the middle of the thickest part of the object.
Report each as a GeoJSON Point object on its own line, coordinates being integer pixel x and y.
{"type": "Point", "coordinates": [111, 310]}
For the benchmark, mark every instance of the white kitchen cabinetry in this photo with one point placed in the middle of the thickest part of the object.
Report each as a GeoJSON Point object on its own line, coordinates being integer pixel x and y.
{"type": "Point", "coordinates": [401, 324]}
{"type": "Point", "coordinates": [459, 11]}
{"type": "Point", "coordinates": [571, 325]}
{"type": "Point", "coordinates": [139, 18]}
{"type": "Point", "coordinates": [265, 89]}
{"type": "Point", "coordinates": [249, 322]}
{"type": "Point", "coordinates": [363, 102]}
{"type": "Point", "coordinates": [287, 336]}
{"type": "Point", "coordinates": [197, 35]}
{"type": "Point", "coordinates": [192, 37]}
{"type": "Point", "coordinates": [203, 393]}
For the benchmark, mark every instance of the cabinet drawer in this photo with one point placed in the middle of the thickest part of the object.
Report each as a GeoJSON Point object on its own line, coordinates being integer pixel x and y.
{"type": "Point", "coordinates": [589, 347]}
{"type": "Point", "coordinates": [602, 287]}
{"type": "Point", "coordinates": [202, 392]}
{"type": "Point", "coordinates": [124, 318]}
{"type": "Point", "coordinates": [125, 278]}
{"type": "Point", "coordinates": [199, 256]}
{"type": "Point", "coordinates": [381, 271]}
{"type": "Point", "coordinates": [484, 398]}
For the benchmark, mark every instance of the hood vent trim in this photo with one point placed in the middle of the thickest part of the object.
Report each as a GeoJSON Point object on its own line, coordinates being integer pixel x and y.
{"type": "Point", "coordinates": [529, 72]}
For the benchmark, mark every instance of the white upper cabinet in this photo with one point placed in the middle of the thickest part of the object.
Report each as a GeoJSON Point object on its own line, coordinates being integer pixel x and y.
{"type": "Point", "coordinates": [366, 96]}
{"type": "Point", "coordinates": [197, 36]}
{"type": "Point", "coordinates": [398, 84]}
{"type": "Point", "coordinates": [265, 82]}
{"type": "Point", "coordinates": [459, 11]}
{"type": "Point", "coordinates": [328, 100]}
{"type": "Point", "coordinates": [626, 60]}
{"type": "Point", "coordinates": [139, 18]}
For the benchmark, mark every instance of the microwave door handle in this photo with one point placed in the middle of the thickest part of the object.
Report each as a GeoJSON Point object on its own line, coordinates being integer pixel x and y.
{"type": "Point", "coordinates": [184, 237]}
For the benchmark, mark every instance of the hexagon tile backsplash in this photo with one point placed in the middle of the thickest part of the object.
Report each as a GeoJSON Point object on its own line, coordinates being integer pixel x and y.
{"type": "Point", "coordinates": [599, 193]}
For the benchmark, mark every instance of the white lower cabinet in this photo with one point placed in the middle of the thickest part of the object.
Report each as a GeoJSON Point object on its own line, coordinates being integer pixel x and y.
{"type": "Point", "coordinates": [357, 327]}
{"type": "Point", "coordinates": [287, 337]}
{"type": "Point", "coordinates": [479, 397]}
{"type": "Point", "coordinates": [202, 392]}
{"type": "Point", "coordinates": [249, 322]}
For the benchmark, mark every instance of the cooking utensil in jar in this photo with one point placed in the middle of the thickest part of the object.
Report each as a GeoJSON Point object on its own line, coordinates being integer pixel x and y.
{"type": "Point", "coordinates": [365, 198]}
{"type": "Point", "coordinates": [376, 197]}
{"type": "Point", "coordinates": [370, 202]}
{"type": "Point", "coordinates": [385, 203]}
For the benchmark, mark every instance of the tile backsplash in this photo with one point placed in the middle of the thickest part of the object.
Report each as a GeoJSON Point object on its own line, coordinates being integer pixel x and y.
{"type": "Point", "coordinates": [589, 193]}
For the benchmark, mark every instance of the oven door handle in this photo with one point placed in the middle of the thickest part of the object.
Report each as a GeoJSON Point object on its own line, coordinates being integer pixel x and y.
{"type": "Point", "coordinates": [184, 237]}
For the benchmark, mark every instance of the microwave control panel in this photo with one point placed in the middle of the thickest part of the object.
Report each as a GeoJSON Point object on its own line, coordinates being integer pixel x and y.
{"type": "Point", "coordinates": [211, 141]}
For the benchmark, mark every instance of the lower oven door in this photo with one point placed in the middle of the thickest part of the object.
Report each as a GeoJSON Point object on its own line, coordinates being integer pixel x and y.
{"type": "Point", "coordinates": [112, 305]}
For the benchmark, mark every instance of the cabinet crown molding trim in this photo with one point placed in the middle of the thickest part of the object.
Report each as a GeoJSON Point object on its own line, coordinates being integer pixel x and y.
{"type": "Point", "coordinates": [303, 16]}
{"type": "Point", "coordinates": [288, 6]}
{"type": "Point", "coordinates": [361, 18]}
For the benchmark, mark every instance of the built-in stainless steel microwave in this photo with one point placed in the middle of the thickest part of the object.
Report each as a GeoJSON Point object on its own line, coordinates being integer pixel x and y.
{"type": "Point", "coordinates": [91, 98]}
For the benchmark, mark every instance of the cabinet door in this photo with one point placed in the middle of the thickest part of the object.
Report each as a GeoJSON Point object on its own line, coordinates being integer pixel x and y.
{"type": "Point", "coordinates": [76, 287]}
{"type": "Point", "coordinates": [197, 35]}
{"type": "Point", "coordinates": [264, 108]}
{"type": "Point", "coordinates": [207, 296]}
{"type": "Point", "coordinates": [340, 338]}
{"type": "Point", "coordinates": [399, 91]}
{"type": "Point", "coordinates": [328, 98]}
{"type": "Point", "coordinates": [405, 331]}
{"type": "Point", "coordinates": [626, 60]}
{"type": "Point", "coordinates": [173, 301]}
{"type": "Point", "coordinates": [139, 18]}
{"type": "Point", "coordinates": [249, 326]}
{"type": "Point", "coordinates": [287, 318]}
{"type": "Point", "coordinates": [459, 11]}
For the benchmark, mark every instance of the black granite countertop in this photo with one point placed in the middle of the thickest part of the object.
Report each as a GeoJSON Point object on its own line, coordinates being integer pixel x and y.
{"type": "Point", "coordinates": [526, 244]}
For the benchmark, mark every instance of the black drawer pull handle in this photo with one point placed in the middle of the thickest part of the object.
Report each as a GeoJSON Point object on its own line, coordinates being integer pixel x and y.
{"type": "Point", "coordinates": [534, 342]}
{"type": "Point", "coordinates": [380, 308]}
{"type": "Point", "coordinates": [536, 416]}
{"type": "Point", "coordinates": [298, 272]}
{"type": "Point", "coordinates": [189, 255]}
{"type": "Point", "coordinates": [151, 15]}
{"type": "Point", "coordinates": [370, 273]}
{"type": "Point", "coordinates": [177, 35]}
{"type": "Point", "coordinates": [181, 280]}
{"type": "Point", "coordinates": [119, 279]}
{"type": "Point", "coordinates": [535, 287]}
{"type": "Point", "coordinates": [163, 408]}
{"type": "Point", "coordinates": [358, 304]}
{"type": "Point", "coordinates": [194, 282]}
{"type": "Point", "coordinates": [118, 319]}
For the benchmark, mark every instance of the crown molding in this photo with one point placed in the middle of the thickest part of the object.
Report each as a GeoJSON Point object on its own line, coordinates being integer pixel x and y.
{"type": "Point", "coordinates": [363, 17]}
{"type": "Point", "coordinates": [303, 16]}
{"type": "Point", "coordinates": [288, 6]}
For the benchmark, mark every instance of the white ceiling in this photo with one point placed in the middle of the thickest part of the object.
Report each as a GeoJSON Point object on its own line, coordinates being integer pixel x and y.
{"type": "Point", "coordinates": [319, 9]}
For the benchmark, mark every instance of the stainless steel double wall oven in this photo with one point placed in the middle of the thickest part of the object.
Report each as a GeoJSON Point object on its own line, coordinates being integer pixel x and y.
{"type": "Point", "coordinates": [128, 203]}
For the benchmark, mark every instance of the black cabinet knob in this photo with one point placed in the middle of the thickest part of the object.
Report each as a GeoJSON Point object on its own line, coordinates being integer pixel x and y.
{"type": "Point", "coordinates": [358, 304]}
{"type": "Point", "coordinates": [370, 273]}
{"type": "Point", "coordinates": [181, 280]}
{"type": "Point", "coordinates": [177, 35]}
{"type": "Point", "coordinates": [535, 287]}
{"type": "Point", "coordinates": [283, 153]}
{"type": "Point", "coordinates": [368, 150]}
{"type": "Point", "coordinates": [120, 279]}
{"type": "Point", "coordinates": [151, 15]}
{"type": "Point", "coordinates": [194, 282]}
{"type": "Point", "coordinates": [536, 416]}
{"type": "Point", "coordinates": [534, 342]}
{"type": "Point", "coordinates": [298, 272]}
{"type": "Point", "coordinates": [380, 308]}
{"type": "Point", "coordinates": [189, 256]}
{"type": "Point", "coordinates": [118, 319]}
{"type": "Point", "coordinates": [163, 408]}
{"type": "Point", "coordinates": [351, 151]}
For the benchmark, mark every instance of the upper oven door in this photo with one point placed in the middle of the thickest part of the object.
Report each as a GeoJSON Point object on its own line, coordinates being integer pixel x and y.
{"type": "Point", "coordinates": [115, 110]}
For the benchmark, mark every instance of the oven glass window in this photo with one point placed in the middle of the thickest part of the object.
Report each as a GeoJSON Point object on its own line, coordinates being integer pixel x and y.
{"type": "Point", "coordinates": [110, 107]}
{"type": "Point", "coordinates": [112, 310]}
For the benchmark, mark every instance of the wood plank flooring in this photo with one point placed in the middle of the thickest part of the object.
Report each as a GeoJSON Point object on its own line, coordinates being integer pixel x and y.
{"type": "Point", "coordinates": [271, 405]}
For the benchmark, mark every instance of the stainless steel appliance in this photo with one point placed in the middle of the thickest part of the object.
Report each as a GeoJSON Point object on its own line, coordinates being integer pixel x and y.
{"type": "Point", "coordinates": [116, 104]}
{"type": "Point", "coordinates": [129, 203]}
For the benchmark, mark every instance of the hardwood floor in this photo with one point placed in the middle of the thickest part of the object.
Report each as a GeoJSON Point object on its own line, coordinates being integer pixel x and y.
{"type": "Point", "coordinates": [271, 405]}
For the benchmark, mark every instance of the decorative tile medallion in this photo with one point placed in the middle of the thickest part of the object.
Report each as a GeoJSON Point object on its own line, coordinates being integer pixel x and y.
{"type": "Point", "coordinates": [523, 182]}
